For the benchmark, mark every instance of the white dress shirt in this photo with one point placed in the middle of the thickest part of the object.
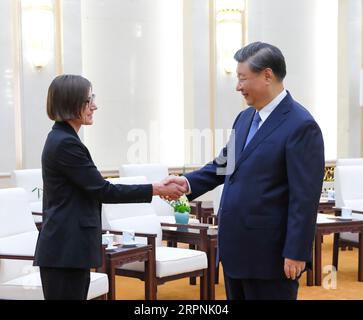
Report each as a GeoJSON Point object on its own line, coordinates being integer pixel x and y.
{"type": "Point", "coordinates": [267, 110]}
{"type": "Point", "coordinates": [264, 114]}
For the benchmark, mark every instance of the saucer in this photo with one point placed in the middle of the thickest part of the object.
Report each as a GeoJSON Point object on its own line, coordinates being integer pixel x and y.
{"type": "Point", "coordinates": [129, 244]}
{"type": "Point", "coordinates": [345, 218]}
{"type": "Point", "coordinates": [111, 247]}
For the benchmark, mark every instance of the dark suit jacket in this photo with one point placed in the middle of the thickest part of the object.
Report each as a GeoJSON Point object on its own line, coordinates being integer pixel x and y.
{"type": "Point", "coordinates": [73, 193]}
{"type": "Point", "coordinates": [269, 203]}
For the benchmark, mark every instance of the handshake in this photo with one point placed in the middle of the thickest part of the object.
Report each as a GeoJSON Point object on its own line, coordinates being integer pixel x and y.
{"type": "Point", "coordinates": [171, 188]}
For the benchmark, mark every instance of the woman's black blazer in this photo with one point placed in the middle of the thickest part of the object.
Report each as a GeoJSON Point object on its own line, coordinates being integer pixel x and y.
{"type": "Point", "coordinates": [73, 191]}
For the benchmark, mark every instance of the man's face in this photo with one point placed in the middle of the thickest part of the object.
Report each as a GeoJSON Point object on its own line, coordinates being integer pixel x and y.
{"type": "Point", "coordinates": [253, 86]}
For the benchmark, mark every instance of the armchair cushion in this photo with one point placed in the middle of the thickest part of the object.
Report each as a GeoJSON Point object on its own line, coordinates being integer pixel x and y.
{"type": "Point", "coordinates": [21, 244]}
{"type": "Point", "coordinates": [172, 261]}
{"type": "Point", "coordinates": [29, 287]}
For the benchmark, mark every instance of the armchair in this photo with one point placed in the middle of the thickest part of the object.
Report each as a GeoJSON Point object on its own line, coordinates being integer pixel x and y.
{"type": "Point", "coordinates": [171, 263]}
{"type": "Point", "coordinates": [19, 279]}
{"type": "Point", "coordinates": [348, 193]}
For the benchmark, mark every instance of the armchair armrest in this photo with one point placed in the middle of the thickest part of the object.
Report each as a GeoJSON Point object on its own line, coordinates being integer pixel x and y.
{"type": "Point", "coordinates": [137, 234]}
{"type": "Point", "coordinates": [199, 226]}
{"type": "Point", "coordinates": [37, 214]}
{"type": "Point", "coordinates": [151, 237]}
{"type": "Point", "coordinates": [16, 257]}
{"type": "Point", "coordinates": [338, 211]}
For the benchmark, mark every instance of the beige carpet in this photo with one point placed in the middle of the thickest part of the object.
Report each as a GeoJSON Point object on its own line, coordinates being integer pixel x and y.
{"type": "Point", "coordinates": [347, 285]}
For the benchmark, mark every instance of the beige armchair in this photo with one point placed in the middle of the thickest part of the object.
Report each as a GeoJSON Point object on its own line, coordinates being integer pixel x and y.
{"type": "Point", "coordinates": [171, 263]}
{"type": "Point", "coordinates": [19, 280]}
{"type": "Point", "coordinates": [348, 184]}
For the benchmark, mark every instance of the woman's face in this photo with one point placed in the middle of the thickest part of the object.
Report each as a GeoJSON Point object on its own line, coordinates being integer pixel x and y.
{"type": "Point", "coordinates": [90, 107]}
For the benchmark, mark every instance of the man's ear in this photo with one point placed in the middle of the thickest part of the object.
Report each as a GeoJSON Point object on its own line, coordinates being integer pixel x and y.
{"type": "Point", "coordinates": [269, 75]}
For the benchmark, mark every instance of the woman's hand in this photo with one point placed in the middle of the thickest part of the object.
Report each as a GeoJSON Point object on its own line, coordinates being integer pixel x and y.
{"type": "Point", "coordinates": [170, 191]}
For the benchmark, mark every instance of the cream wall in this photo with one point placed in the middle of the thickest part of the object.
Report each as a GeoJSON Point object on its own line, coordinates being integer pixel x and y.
{"type": "Point", "coordinates": [35, 83]}
{"type": "Point", "coordinates": [349, 112]}
{"type": "Point", "coordinates": [23, 89]}
{"type": "Point", "coordinates": [130, 58]}
{"type": "Point", "coordinates": [7, 121]}
{"type": "Point", "coordinates": [133, 54]}
{"type": "Point", "coordinates": [306, 33]}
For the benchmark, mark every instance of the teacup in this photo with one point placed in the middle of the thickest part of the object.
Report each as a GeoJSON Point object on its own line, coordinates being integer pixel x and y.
{"type": "Point", "coordinates": [128, 236]}
{"type": "Point", "coordinates": [346, 212]}
{"type": "Point", "coordinates": [107, 239]}
{"type": "Point", "coordinates": [331, 195]}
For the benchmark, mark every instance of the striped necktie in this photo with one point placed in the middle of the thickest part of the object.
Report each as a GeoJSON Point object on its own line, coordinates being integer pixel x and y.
{"type": "Point", "coordinates": [253, 129]}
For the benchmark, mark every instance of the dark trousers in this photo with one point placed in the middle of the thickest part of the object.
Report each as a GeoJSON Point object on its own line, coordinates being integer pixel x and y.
{"type": "Point", "coordinates": [256, 289]}
{"type": "Point", "coordinates": [65, 283]}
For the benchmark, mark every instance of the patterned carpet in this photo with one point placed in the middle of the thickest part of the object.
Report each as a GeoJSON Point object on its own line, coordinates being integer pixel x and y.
{"type": "Point", "coordinates": [347, 285]}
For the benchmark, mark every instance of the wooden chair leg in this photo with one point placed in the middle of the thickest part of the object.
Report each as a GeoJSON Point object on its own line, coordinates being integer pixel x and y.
{"type": "Point", "coordinates": [216, 280]}
{"type": "Point", "coordinates": [204, 286]}
{"type": "Point", "coordinates": [192, 280]}
{"type": "Point", "coordinates": [309, 277]}
{"type": "Point", "coordinates": [335, 250]}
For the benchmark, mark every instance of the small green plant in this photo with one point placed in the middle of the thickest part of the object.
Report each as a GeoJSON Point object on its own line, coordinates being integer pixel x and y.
{"type": "Point", "coordinates": [40, 192]}
{"type": "Point", "coordinates": [181, 205]}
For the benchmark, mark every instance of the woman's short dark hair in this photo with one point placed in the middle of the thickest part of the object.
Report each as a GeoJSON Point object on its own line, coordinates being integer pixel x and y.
{"type": "Point", "coordinates": [67, 95]}
{"type": "Point", "coordinates": [260, 56]}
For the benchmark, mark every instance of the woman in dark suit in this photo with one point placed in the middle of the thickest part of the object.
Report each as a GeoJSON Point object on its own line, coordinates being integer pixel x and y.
{"type": "Point", "coordinates": [69, 243]}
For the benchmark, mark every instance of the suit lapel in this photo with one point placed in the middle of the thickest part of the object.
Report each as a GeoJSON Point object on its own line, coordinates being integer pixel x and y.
{"type": "Point", "coordinates": [275, 119]}
{"type": "Point", "coordinates": [243, 132]}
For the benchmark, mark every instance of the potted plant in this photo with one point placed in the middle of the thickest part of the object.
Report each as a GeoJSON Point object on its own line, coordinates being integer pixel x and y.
{"type": "Point", "coordinates": [39, 191]}
{"type": "Point", "coordinates": [181, 209]}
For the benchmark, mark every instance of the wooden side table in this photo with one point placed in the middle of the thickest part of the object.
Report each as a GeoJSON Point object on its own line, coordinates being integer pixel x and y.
{"type": "Point", "coordinates": [336, 225]}
{"type": "Point", "coordinates": [115, 258]}
{"type": "Point", "coordinates": [204, 239]}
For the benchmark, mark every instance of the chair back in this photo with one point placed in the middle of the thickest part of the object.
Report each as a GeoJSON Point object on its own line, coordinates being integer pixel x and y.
{"type": "Point", "coordinates": [140, 217]}
{"type": "Point", "coordinates": [18, 233]}
{"type": "Point", "coordinates": [31, 180]}
{"type": "Point", "coordinates": [348, 183]}
{"type": "Point", "coordinates": [154, 172]}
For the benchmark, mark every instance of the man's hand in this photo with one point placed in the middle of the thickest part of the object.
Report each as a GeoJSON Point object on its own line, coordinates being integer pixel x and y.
{"type": "Point", "coordinates": [181, 181]}
{"type": "Point", "coordinates": [170, 191]}
{"type": "Point", "coordinates": [293, 268]}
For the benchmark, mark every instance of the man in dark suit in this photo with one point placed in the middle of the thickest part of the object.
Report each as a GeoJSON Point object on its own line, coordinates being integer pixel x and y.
{"type": "Point", "coordinates": [272, 170]}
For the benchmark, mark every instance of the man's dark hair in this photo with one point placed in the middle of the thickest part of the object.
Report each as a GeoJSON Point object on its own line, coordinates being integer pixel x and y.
{"type": "Point", "coordinates": [67, 95]}
{"type": "Point", "coordinates": [260, 56]}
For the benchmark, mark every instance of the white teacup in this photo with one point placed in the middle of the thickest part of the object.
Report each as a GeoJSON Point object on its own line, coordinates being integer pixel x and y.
{"type": "Point", "coordinates": [128, 236]}
{"type": "Point", "coordinates": [331, 195]}
{"type": "Point", "coordinates": [346, 212]}
{"type": "Point", "coordinates": [107, 239]}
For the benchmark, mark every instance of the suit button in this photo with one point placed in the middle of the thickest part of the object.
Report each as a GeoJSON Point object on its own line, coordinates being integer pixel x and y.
{"type": "Point", "coordinates": [230, 182]}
